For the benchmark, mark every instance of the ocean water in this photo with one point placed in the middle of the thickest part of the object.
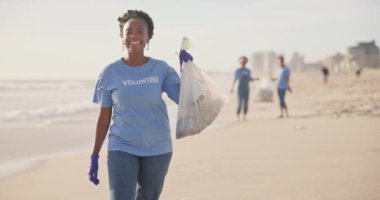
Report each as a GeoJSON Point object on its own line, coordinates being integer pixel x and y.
{"type": "Point", "coordinates": [28, 112]}
{"type": "Point", "coordinates": [31, 101]}
{"type": "Point", "coordinates": [55, 118]}
{"type": "Point", "coordinates": [39, 111]}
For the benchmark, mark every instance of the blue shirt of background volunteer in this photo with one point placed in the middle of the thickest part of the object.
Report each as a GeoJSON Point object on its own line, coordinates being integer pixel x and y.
{"type": "Point", "coordinates": [140, 120]}
{"type": "Point", "coordinates": [284, 73]}
{"type": "Point", "coordinates": [244, 77]}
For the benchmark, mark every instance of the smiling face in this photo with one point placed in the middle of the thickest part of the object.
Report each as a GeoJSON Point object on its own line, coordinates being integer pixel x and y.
{"type": "Point", "coordinates": [135, 36]}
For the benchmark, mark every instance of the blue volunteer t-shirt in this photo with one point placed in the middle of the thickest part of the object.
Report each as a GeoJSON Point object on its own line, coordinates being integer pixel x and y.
{"type": "Point", "coordinates": [140, 120]}
{"type": "Point", "coordinates": [244, 77]}
{"type": "Point", "coordinates": [284, 73]}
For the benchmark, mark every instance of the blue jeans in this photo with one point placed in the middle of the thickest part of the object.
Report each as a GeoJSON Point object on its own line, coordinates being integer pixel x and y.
{"type": "Point", "coordinates": [243, 100]}
{"type": "Point", "coordinates": [281, 96]}
{"type": "Point", "coordinates": [127, 171]}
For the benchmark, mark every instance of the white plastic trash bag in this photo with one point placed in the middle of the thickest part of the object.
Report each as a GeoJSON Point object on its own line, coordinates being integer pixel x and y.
{"type": "Point", "coordinates": [265, 90]}
{"type": "Point", "coordinates": [199, 102]}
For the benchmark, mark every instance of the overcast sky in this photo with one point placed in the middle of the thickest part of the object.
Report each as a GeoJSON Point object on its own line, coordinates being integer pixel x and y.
{"type": "Point", "coordinates": [71, 39]}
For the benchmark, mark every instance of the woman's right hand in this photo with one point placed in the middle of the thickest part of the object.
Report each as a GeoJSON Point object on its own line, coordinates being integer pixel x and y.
{"type": "Point", "coordinates": [103, 124]}
{"type": "Point", "coordinates": [93, 173]}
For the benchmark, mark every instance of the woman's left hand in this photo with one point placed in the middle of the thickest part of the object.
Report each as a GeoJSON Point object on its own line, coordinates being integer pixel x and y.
{"type": "Point", "coordinates": [184, 56]}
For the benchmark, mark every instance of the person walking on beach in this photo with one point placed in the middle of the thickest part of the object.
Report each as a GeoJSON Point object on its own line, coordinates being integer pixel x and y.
{"type": "Point", "coordinates": [243, 75]}
{"type": "Point", "coordinates": [283, 86]}
{"type": "Point", "coordinates": [325, 73]}
{"type": "Point", "coordinates": [129, 91]}
{"type": "Point", "coordinates": [358, 72]}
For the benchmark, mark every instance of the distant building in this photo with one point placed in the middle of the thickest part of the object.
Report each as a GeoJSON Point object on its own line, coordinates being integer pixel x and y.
{"type": "Point", "coordinates": [365, 54]}
{"type": "Point", "coordinates": [313, 66]}
{"type": "Point", "coordinates": [264, 62]}
{"type": "Point", "coordinates": [297, 62]}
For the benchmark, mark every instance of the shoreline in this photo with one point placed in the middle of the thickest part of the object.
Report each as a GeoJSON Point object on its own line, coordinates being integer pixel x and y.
{"type": "Point", "coordinates": [14, 167]}
{"type": "Point", "coordinates": [24, 165]}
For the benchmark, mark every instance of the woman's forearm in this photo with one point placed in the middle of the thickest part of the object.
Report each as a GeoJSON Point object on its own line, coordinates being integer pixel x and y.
{"type": "Point", "coordinates": [102, 126]}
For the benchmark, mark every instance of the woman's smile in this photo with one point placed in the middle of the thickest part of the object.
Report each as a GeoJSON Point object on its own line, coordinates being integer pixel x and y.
{"type": "Point", "coordinates": [135, 44]}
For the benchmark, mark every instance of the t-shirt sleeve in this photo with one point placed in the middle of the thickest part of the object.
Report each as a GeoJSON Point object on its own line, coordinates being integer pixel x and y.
{"type": "Point", "coordinates": [287, 73]}
{"type": "Point", "coordinates": [102, 94]}
{"type": "Point", "coordinates": [171, 84]}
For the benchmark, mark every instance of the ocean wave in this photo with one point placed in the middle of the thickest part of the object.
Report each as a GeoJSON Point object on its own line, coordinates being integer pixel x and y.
{"type": "Point", "coordinates": [44, 112]}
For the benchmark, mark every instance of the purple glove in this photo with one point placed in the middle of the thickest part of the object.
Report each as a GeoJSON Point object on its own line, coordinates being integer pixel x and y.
{"type": "Point", "coordinates": [93, 174]}
{"type": "Point", "coordinates": [184, 56]}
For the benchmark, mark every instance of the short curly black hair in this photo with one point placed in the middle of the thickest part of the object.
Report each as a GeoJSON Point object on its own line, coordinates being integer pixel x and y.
{"type": "Point", "coordinates": [243, 57]}
{"type": "Point", "coordinates": [130, 14]}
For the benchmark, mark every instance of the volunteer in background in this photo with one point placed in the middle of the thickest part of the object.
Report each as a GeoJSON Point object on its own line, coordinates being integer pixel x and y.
{"type": "Point", "coordinates": [283, 86]}
{"type": "Point", "coordinates": [243, 75]}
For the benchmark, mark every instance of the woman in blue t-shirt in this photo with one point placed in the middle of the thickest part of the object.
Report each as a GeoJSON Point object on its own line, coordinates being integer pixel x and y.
{"type": "Point", "coordinates": [243, 75]}
{"type": "Point", "coordinates": [129, 91]}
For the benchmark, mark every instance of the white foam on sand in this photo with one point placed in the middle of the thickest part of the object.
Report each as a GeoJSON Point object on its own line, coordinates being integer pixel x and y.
{"type": "Point", "coordinates": [48, 111]}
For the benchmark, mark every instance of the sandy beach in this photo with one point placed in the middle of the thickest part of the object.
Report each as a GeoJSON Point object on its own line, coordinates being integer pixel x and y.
{"type": "Point", "coordinates": [329, 149]}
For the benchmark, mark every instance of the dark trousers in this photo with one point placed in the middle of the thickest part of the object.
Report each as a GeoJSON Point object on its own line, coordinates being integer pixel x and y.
{"type": "Point", "coordinates": [281, 96]}
{"type": "Point", "coordinates": [243, 100]}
